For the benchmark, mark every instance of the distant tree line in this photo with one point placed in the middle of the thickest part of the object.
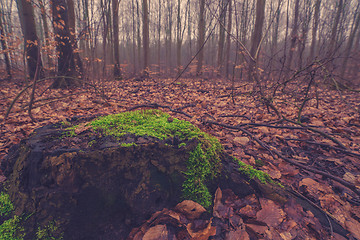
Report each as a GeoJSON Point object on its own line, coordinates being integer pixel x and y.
{"type": "Point", "coordinates": [230, 38]}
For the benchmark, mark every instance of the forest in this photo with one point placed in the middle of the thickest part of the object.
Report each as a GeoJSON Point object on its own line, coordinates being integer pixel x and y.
{"type": "Point", "coordinates": [258, 99]}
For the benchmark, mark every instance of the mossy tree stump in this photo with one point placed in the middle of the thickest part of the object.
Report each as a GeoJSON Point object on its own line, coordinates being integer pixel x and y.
{"type": "Point", "coordinates": [98, 178]}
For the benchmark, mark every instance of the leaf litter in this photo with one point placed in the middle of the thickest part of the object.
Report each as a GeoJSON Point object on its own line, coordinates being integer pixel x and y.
{"type": "Point", "coordinates": [232, 218]}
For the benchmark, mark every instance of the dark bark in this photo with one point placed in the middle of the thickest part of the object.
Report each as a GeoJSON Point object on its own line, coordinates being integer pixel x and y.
{"type": "Point", "coordinates": [115, 8]}
{"type": "Point", "coordinates": [220, 53]}
{"type": "Point", "coordinates": [78, 62]}
{"type": "Point", "coordinates": [228, 40]}
{"type": "Point", "coordinates": [201, 38]}
{"type": "Point", "coordinates": [5, 49]}
{"type": "Point", "coordinates": [146, 35]}
{"type": "Point", "coordinates": [294, 34]}
{"type": "Point", "coordinates": [66, 71]}
{"type": "Point", "coordinates": [315, 29]}
{"type": "Point", "coordinates": [31, 40]}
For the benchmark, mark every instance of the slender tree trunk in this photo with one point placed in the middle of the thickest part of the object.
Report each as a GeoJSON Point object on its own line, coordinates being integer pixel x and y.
{"type": "Point", "coordinates": [159, 38]}
{"type": "Point", "coordinates": [31, 40]}
{"type": "Point", "coordinates": [138, 33]}
{"type": "Point", "coordinates": [349, 45]}
{"type": "Point", "coordinates": [256, 37]}
{"type": "Point", "coordinates": [228, 40]}
{"type": "Point", "coordinates": [115, 8]}
{"type": "Point", "coordinates": [220, 53]}
{"type": "Point", "coordinates": [71, 15]}
{"type": "Point", "coordinates": [46, 31]}
{"type": "Point", "coordinates": [179, 40]}
{"type": "Point", "coordinates": [294, 34]}
{"type": "Point", "coordinates": [4, 48]}
{"type": "Point", "coordinates": [334, 30]}
{"type": "Point", "coordinates": [66, 64]}
{"type": "Point", "coordinates": [201, 38]}
{"type": "Point", "coordinates": [315, 29]}
{"type": "Point", "coordinates": [134, 36]}
{"type": "Point", "coordinates": [146, 35]}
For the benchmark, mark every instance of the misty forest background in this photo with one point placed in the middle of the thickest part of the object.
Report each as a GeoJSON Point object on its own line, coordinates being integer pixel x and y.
{"type": "Point", "coordinates": [253, 40]}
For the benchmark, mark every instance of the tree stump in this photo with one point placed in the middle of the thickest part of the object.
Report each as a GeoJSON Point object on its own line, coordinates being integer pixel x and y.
{"type": "Point", "coordinates": [99, 178]}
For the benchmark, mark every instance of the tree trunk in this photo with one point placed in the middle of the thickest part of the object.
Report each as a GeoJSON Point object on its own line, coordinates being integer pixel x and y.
{"type": "Point", "coordinates": [331, 49]}
{"type": "Point", "coordinates": [115, 8]}
{"type": "Point", "coordinates": [73, 41]}
{"type": "Point", "coordinates": [179, 40]}
{"type": "Point", "coordinates": [138, 33]}
{"type": "Point", "coordinates": [201, 38]}
{"type": "Point", "coordinates": [66, 64]}
{"type": "Point", "coordinates": [31, 41]}
{"type": "Point", "coordinates": [159, 38]}
{"type": "Point", "coordinates": [349, 45]}
{"type": "Point", "coordinates": [256, 38]}
{"type": "Point", "coordinates": [314, 29]}
{"type": "Point", "coordinates": [294, 34]}
{"type": "Point", "coordinates": [46, 31]}
{"type": "Point", "coordinates": [228, 40]}
{"type": "Point", "coordinates": [146, 36]}
{"type": "Point", "coordinates": [220, 53]}
{"type": "Point", "coordinates": [5, 49]}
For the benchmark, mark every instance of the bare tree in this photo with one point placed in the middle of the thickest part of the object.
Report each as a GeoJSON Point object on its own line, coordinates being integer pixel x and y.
{"type": "Point", "coordinates": [222, 11]}
{"type": "Point", "coordinates": [228, 40]}
{"type": "Point", "coordinates": [294, 34]}
{"type": "Point", "coordinates": [350, 42]}
{"type": "Point", "coordinates": [334, 29]}
{"type": "Point", "coordinates": [115, 8]}
{"type": "Point", "coordinates": [256, 37]}
{"type": "Point", "coordinates": [31, 40]}
{"type": "Point", "coordinates": [201, 37]}
{"type": "Point", "coordinates": [4, 47]}
{"type": "Point", "coordinates": [315, 28]}
{"type": "Point", "coordinates": [146, 34]}
{"type": "Point", "coordinates": [66, 72]}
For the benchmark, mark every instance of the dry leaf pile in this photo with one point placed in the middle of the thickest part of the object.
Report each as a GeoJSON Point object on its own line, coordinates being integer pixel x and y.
{"type": "Point", "coordinates": [317, 158]}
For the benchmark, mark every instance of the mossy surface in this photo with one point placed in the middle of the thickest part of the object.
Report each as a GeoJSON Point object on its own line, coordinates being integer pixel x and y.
{"type": "Point", "coordinates": [12, 225]}
{"type": "Point", "coordinates": [204, 161]}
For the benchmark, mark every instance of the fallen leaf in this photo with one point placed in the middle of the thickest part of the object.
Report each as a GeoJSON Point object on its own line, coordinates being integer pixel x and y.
{"type": "Point", "coordinates": [190, 209]}
{"type": "Point", "coordinates": [203, 234]}
{"type": "Point", "coordinates": [270, 213]}
{"type": "Point", "coordinates": [241, 140]}
{"type": "Point", "coordinates": [158, 232]}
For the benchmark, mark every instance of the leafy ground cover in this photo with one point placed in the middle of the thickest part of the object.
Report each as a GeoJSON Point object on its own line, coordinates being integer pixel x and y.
{"type": "Point", "coordinates": [317, 157]}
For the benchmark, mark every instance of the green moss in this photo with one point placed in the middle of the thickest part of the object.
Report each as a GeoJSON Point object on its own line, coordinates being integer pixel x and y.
{"type": "Point", "coordinates": [11, 229]}
{"type": "Point", "coordinates": [182, 145]}
{"type": "Point", "coordinates": [153, 123]}
{"type": "Point", "coordinates": [49, 232]}
{"type": "Point", "coordinates": [92, 142]}
{"type": "Point", "coordinates": [259, 163]}
{"type": "Point", "coordinates": [252, 173]}
{"type": "Point", "coordinates": [128, 144]}
{"type": "Point", "coordinates": [6, 206]}
{"type": "Point", "coordinates": [204, 161]}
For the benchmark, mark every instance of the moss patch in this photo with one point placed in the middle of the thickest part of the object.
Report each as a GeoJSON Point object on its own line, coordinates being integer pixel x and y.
{"type": "Point", "coordinates": [204, 161]}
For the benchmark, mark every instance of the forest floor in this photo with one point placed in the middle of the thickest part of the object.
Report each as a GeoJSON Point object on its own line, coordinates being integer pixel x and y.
{"type": "Point", "coordinates": [317, 158]}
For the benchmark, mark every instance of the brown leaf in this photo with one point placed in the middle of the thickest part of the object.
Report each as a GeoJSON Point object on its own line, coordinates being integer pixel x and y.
{"type": "Point", "coordinates": [190, 209]}
{"type": "Point", "coordinates": [354, 227]}
{"type": "Point", "coordinates": [158, 232]}
{"type": "Point", "coordinates": [237, 234]}
{"type": "Point", "coordinates": [241, 140]}
{"type": "Point", "coordinates": [203, 234]}
{"type": "Point", "coordinates": [270, 213]}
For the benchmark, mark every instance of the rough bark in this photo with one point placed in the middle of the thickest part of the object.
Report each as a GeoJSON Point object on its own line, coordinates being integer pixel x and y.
{"type": "Point", "coordinates": [201, 38]}
{"type": "Point", "coordinates": [73, 41]}
{"type": "Point", "coordinates": [350, 44]}
{"type": "Point", "coordinates": [334, 30]}
{"type": "Point", "coordinates": [294, 34]}
{"type": "Point", "coordinates": [66, 72]}
{"type": "Point", "coordinates": [31, 40]}
{"type": "Point", "coordinates": [5, 48]}
{"type": "Point", "coordinates": [315, 29]}
{"type": "Point", "coordinates": [228, 40]}
{"type": "Point", "coordinates": [220, 53]}
{"type": "Point", "coordinates": [46, 31]}
{"type": "Point", "coordinates": [256, 38]}
{"type": "Point", "coordinates": [115, 9]}
{"type": "Point", "coordinates": [146, 35]}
